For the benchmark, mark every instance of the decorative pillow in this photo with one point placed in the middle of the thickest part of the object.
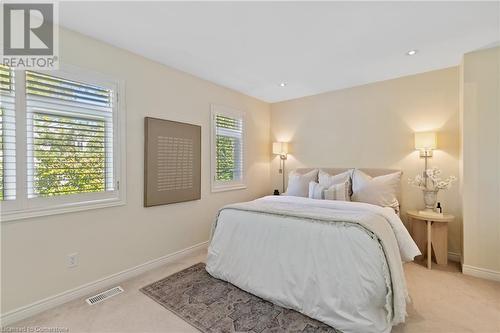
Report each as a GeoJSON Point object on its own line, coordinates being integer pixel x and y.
{"type": "Point", "coordinates": [382, 191]}
{"type": "Point", "coordinates": [316, 191]}
{"type": "Point", "coordinates": [327, 180]}
{"type": "Point", "coordinates": [334, 192]}
{"type": "Point", "coordinates": [298, 184]}
{"type": "Point", "coordinates": [340, 192]}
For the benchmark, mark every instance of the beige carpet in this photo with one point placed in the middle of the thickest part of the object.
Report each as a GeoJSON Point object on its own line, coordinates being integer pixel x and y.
{"type": "Point", "coordinates": [444, 300]}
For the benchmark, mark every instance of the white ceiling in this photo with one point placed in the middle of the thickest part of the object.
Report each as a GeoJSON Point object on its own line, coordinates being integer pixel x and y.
{"type": "Point", "coordinates": [314, 47]}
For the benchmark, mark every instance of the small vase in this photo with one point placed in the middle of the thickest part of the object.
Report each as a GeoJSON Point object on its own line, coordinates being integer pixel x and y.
{"type": "Point", "coordinates": [430, 199]}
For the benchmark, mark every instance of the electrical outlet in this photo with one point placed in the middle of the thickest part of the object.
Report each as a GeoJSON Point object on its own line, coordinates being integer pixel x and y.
{"type": "Point", "coordinates": [72, 260]}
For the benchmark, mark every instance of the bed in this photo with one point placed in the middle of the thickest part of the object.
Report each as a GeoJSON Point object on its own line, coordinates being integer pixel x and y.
{"type": "Point", "coordinates": [335, 261]}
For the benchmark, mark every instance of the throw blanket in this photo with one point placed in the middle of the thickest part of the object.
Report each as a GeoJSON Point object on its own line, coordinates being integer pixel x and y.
{"type": "Point", "coordinates": [374, 220]}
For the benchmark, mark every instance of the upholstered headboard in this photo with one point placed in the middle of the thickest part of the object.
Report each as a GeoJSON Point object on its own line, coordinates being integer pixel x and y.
{"type": "Point", "coordinates": [374, 172]}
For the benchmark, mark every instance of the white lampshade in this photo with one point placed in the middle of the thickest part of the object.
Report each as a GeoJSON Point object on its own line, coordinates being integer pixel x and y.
{"type": "Point", "coordinates": [280, 148]}
{"type": "Point", "coordinates": [425, 140]}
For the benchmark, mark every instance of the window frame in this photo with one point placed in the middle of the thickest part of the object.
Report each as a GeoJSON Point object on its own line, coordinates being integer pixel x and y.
{"type": "Point", "coordinates": [220, 186]}
{"type": "Point", "coordinates": [23, 207]}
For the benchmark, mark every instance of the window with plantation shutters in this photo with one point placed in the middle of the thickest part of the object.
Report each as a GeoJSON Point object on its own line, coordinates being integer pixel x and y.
{"type": "Point", "coordinates": [62, 149]}
{"type": "Point", "coordinates": [7, 135]}
{"type": "Point", "coordinates": [227, 149]}
{"type": "Point", "coordinates": [70, 136]}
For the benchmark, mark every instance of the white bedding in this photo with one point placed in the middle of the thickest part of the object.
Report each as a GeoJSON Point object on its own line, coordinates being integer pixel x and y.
{"type": "Point", "coordinates": [334, 272]}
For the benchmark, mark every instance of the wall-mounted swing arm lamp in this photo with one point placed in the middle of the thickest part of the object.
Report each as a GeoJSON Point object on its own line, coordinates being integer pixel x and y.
{"type": "Point", "coordinates": [425, 142]}
{"type": "Point", "coordinates": [281, 148]}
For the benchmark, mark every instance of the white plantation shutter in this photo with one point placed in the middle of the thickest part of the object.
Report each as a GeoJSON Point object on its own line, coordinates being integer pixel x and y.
{"type": "Point", "coordinates": [7, 135]}
{"type": "Point", "coordinates": [62, 142]}
{"type": "Point", "coordinates": [228, 149]}
{"type": "Point", "coordinates": [69, 136]}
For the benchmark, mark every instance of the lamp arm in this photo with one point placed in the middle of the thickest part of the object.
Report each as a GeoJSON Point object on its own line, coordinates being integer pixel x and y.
{"type": "Point", "coordinates": [426, 159]}
{"type": "Point", "coordinates": [283, 174]}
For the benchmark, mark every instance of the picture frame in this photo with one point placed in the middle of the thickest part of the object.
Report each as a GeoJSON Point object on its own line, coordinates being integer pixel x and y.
{"type": "Point", "coordinates": [172, 162]}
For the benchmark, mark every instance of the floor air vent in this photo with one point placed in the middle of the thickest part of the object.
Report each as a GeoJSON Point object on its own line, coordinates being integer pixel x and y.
{"type": "Point", "coordinates": [104, 295]}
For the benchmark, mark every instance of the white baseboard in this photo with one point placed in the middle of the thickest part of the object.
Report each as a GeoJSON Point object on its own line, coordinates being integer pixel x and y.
{"type": "Point", "coordinates": [481, 272]}
{"type": "Point", "coordinates": [456, 257]}
{"type": "Point", "coordinates": [79, 292]}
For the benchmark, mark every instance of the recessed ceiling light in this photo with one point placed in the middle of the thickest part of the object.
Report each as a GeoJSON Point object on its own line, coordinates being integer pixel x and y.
{"type": "Point", "coordinates": [411, 52]}
{"type": "Point", "coordinates": [283, 84]}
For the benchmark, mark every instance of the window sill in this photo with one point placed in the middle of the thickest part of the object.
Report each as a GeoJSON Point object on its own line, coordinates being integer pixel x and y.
{"type": "Point", "coordinates": [61, 209]}
{"type": "Point", "coordinates": [223, 188]}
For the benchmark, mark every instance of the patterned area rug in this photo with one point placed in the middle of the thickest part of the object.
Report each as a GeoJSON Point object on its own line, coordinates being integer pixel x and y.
{"type": "Point", "coordinates": [214, 306]}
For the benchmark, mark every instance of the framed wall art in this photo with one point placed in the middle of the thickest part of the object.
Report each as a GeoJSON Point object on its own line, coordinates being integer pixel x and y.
{"type": "Point", "coordinates": [172, 162]}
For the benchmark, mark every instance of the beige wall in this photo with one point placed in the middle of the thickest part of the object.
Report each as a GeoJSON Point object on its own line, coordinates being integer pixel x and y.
{"type": "Point", "coordinates": [373, 126]}
{"type": "Point", "coordinates": [481, 161]}
{"type": "Point", "coordinates": [366, 126]}
{"type": "Point", "coordinates": [113, 239]}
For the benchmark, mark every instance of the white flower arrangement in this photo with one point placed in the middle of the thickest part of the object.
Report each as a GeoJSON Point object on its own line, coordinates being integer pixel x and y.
{"type": "Point", "coordinates": [433, 181]}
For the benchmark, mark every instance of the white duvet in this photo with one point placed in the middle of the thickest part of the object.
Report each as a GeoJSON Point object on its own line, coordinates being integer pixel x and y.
{"type": "Point", "coordinates": [345, 274]}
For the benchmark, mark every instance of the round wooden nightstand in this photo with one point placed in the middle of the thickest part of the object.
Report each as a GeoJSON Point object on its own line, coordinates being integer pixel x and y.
{"type": "Point", "coordinates": [431, 235]}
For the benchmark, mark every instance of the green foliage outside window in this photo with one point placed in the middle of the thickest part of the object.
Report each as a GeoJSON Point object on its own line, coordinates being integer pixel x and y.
{"type": "Point", "coordinates": [69, 155]}
{"type": "Point", "coordinates": [227, 148]}
{"type": "Point", "coordinates": [225, 158]}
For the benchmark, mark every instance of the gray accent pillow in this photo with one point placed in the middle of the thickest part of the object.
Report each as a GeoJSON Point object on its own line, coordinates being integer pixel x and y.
{"type": "Point", "coordinates": [334, 192]}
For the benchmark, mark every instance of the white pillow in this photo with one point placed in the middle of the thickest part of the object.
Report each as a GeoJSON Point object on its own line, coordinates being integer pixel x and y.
{"type": "Point", "coordinates": [298, 184]}
{"type": "Point", "coordinates": [316, 191]}
{"type": "Point", "coordinates": [381, 191]}
{"type": "Point", "coordinates": [334, 192]}
{"type": "Point", "coordinates": [327, 180]}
